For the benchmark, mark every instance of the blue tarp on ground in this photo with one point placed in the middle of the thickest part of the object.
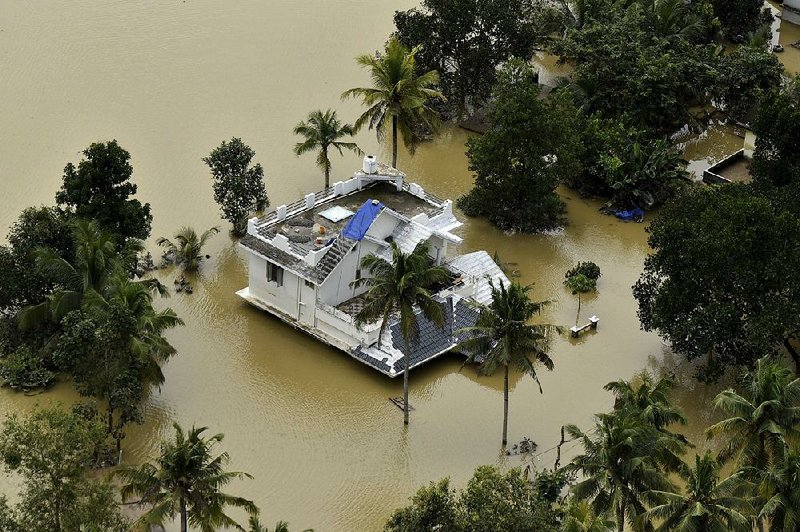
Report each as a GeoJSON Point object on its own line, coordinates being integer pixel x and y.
{"type": "Point", "coordinates": [635, 214]}
{"type": "Point", "coordinates": [357, 227]}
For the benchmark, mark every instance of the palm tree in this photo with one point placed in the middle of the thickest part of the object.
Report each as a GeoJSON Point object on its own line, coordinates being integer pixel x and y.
{"type": "Point", "coordinates": [618, 467]}
{"type": "Point", "coordinates": [188, 249]}
{"type": "Point", "coordinates": [763, 419]}
{"type": "Point", "coordinates": [709, 504]}
{"type": "Point", "coordinates": [96, 260]}
{"type": "Point", "coordinates": [321, 131]}
{"type": "Point", "coordinates": [779, 486]}
{"type": "Point", "coordinates": [398, 95]}
{"type": "Point", "coordinates": [186, 480]}
{"type": "Point", "coordinates": [649, 400]}
{"type": "Point", "coordinates": [580, 518]}
{"type": "Point", "coordinates": [401, 286]}
{"type": "Point", "coordinates": [254, 525]}
{"type": "Point", "coordinates": [503, 337]}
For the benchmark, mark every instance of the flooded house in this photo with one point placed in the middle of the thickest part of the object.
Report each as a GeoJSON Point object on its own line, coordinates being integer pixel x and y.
{"type": "Point", "coordinates": [304, 256]}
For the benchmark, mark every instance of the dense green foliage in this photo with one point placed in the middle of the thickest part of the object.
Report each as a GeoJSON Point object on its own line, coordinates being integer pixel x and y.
{"type": "Point", "coordinates": [776, 160]}
{"type": "Point", "coordinates": [491, 501]}
{"type": "Point", "coordinates": [740, 17]}
{"type": "Point", "coordinates": [100, 189]}
{"type": "Point", "coordinates": [645, 61]}
{"type": "Point", "coordinates": [532, 145]}
{"type": "Point", "coordinates": [322, 131]}
{"type": "Point", "coordinates": [503, 337]}
{"type": "Point", "coordinates": [721, 283]}
{"type": "Point", "coordinates": [401, 286]}
{"type": "Point", "coordinates": [186, 481]}
{"type": "Point", "coordinates": [52, 451]}
{"type": "Point", "coordinates": [466, 40]}
{"type": "Point", "coordinates": [238, 185]}
{"type": "Point", "coordinates": [747, 75]}
{"type": "Point", "coordinates": [400, 98]}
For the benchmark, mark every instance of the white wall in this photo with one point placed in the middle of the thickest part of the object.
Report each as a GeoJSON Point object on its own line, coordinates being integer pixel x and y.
{"type": "Point", "coordinates": [282, 297]}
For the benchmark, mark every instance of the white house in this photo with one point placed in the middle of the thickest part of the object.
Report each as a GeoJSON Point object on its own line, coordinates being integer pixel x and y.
{"type": "Point", "coordinates": [791, 11]}
{"type": "Point", "coordinates": [304, 255]}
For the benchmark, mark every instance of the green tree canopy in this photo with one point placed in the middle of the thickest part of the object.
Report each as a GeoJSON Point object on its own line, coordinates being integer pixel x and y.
{"type": "Point", "coordinates": [776, 160]}
{"type": "Point", "coordinates": [187, 250]}
{"type": "Point", "coordinates": [491, 501]}
{"type": "Point", "coordinates": [533, 144]}
{"type": "Point", "coordinates": [740, 17]}
{"type": "Point", "coordinates": [466, 40]}
{"type": "Point", "coordinates": [100, 189]}
{"type": "Point", "coordinates": [747, 75]}
{"type": "Point", "coordinates": [52, 451]}
{"type": "Point", "coordinates": [238, 185]}
{"type": "Point", "coordinates": [721, 282]}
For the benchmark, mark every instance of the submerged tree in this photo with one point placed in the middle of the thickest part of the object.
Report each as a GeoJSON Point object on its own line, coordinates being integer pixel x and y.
{"type": "Point", "coordinates": [401, 286]}
{"type": "Point", "coordinates": [580, 284]}
{"type": "Point", "coordinates": [321, 131]}
{"type": "Point", "coordinates": [99, 189]}
{"type": "Point", "coordinates": [187, 250]}
{"type": "Point", "coordinates": [532, 146]}
{"type": "Point", "coordinates": [504, 337]}
{"type": "Point", "coordinates": [238, 185]}
{"type": "Point", "coordinates": [719, 284]}
{"type": "Point", "coordinates": [466, 40]}
{"type": "Point", "coordinates": [186, 480]}
{"type": "Point", "coordinates": [776, 159]}
{"type": "Point", "coordinates": [399, 98]}
{"type": "Point", "coordinates": [52, 451]}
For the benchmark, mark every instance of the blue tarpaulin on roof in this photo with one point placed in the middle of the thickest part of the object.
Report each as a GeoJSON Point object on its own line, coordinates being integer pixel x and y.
{"type": "Point", "coordinates": [357, 227]}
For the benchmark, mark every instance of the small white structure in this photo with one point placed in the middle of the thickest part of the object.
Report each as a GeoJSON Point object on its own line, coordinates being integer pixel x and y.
{"type": "Point", "coordinates": [304, 256]}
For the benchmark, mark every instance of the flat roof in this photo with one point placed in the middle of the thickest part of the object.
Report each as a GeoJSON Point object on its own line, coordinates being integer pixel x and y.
{"type": "Point", "coordinates": [303, 233]}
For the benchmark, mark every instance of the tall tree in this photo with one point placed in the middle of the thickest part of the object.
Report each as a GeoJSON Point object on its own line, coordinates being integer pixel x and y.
{"type": "Point", "coordinates": [238, 185]}
{"type": "Point", "coordinates": [100, 189]}
{"type": "Point", "coordinates": [776, 159]}
{"type": "Point", "coordinates": [466, 40]}
{"type": "Point", "coordinates": [52, 451]}
{"type": "Point", "coordinates": [401, 286]}
{"type": "Point", "coordinates": [399, 98]}
{"type": "Point", "coordinates": [720, 282]}
{"type": "Point", "coordinates": [186, 480]}
{"type": "Point", "coordinates": [619, 467]}
{"type": "Point", "coordinates": [187, 250]}
{"type": "Point", "coordinates": [763, 419]}
{"type": "Point", "coordinates": [779, 488]}
{"type": "Point", "coordinates": [321, 131]}
{"type": "Point", "coordinates": [747, 76]}
{"type": "Point", "coordinates": [709, 504]}
{"type": "Point", "coordinates": [740, 17]}
{"type": "Point", "coordinates": [532, 146]}
{"type": "Point", "coordinates": [504, 337]}
{"type": "Point", "coordinates": [648, 401]}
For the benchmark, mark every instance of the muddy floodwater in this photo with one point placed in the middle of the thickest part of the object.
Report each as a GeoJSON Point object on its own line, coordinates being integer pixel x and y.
{"type": "Point", "coordinates": [171, 79]}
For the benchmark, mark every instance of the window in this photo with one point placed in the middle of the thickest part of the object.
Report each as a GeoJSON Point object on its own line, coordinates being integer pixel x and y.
{"type": "Point", "coordinates": [358, 274]}
{"type": "Point", "coordinates": [308, 283]}
{"type": "Point", "coordinates": [274, 274]}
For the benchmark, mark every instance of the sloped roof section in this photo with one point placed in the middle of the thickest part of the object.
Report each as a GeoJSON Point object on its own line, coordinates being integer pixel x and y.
{"type": "Point", "coordinates": [481, 267]}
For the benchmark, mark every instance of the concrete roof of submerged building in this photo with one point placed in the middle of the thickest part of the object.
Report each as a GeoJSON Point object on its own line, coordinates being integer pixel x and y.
{"type": "Point", "coordinates": [403, 203]}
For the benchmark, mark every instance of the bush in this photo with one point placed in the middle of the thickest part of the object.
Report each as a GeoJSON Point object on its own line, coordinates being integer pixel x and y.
{"type": "Point", "coordinates": [23, 369]}
{"type": "Point", "coordinates": [589, 269]}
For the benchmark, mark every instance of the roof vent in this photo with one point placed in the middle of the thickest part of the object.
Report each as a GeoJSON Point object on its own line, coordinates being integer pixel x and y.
{"type": "Point", "coordinates": [370, 165]}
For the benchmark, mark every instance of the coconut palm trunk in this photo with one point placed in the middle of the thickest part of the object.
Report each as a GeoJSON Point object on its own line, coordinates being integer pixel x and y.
{"type": "Point", "coordinates": [327, 168]}
{"type": "Point", "coordinates": [578, 315]}
{"type": "Point", "coordinates": [505, 407]}
{"type": "Point", "coordinates": [405, 381]}
{"type": "Point", "coordinates": [184, 526]}
{"type": "Point", "coordinates": [394, 141]}
{"type": "Point", "coordinates": [621, 515]}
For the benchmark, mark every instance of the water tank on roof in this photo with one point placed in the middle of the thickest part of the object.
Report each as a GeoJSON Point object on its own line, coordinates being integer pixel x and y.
{"type": "Point", "coordinates": [370, 165]}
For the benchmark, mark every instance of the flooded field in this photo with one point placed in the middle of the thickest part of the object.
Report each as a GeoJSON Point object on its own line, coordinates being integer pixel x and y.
{"type": "Point", "coordinates": [169, 81]}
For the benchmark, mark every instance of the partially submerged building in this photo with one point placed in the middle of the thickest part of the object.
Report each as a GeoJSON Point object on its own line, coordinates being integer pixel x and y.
{"type": "Point", "coordinates": [304, 256]}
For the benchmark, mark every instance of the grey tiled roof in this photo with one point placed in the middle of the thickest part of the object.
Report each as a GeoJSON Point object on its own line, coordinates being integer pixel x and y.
{"type": "Point", "coordinates": [282, 258]}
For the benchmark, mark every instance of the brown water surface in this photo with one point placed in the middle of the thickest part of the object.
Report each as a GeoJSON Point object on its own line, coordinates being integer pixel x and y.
{"type": "Point", "coordinates": [327, 449]}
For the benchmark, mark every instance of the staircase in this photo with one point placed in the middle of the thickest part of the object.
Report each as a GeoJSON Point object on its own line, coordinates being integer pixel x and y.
{"type": "Point", "coordinates": [340, 247]}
